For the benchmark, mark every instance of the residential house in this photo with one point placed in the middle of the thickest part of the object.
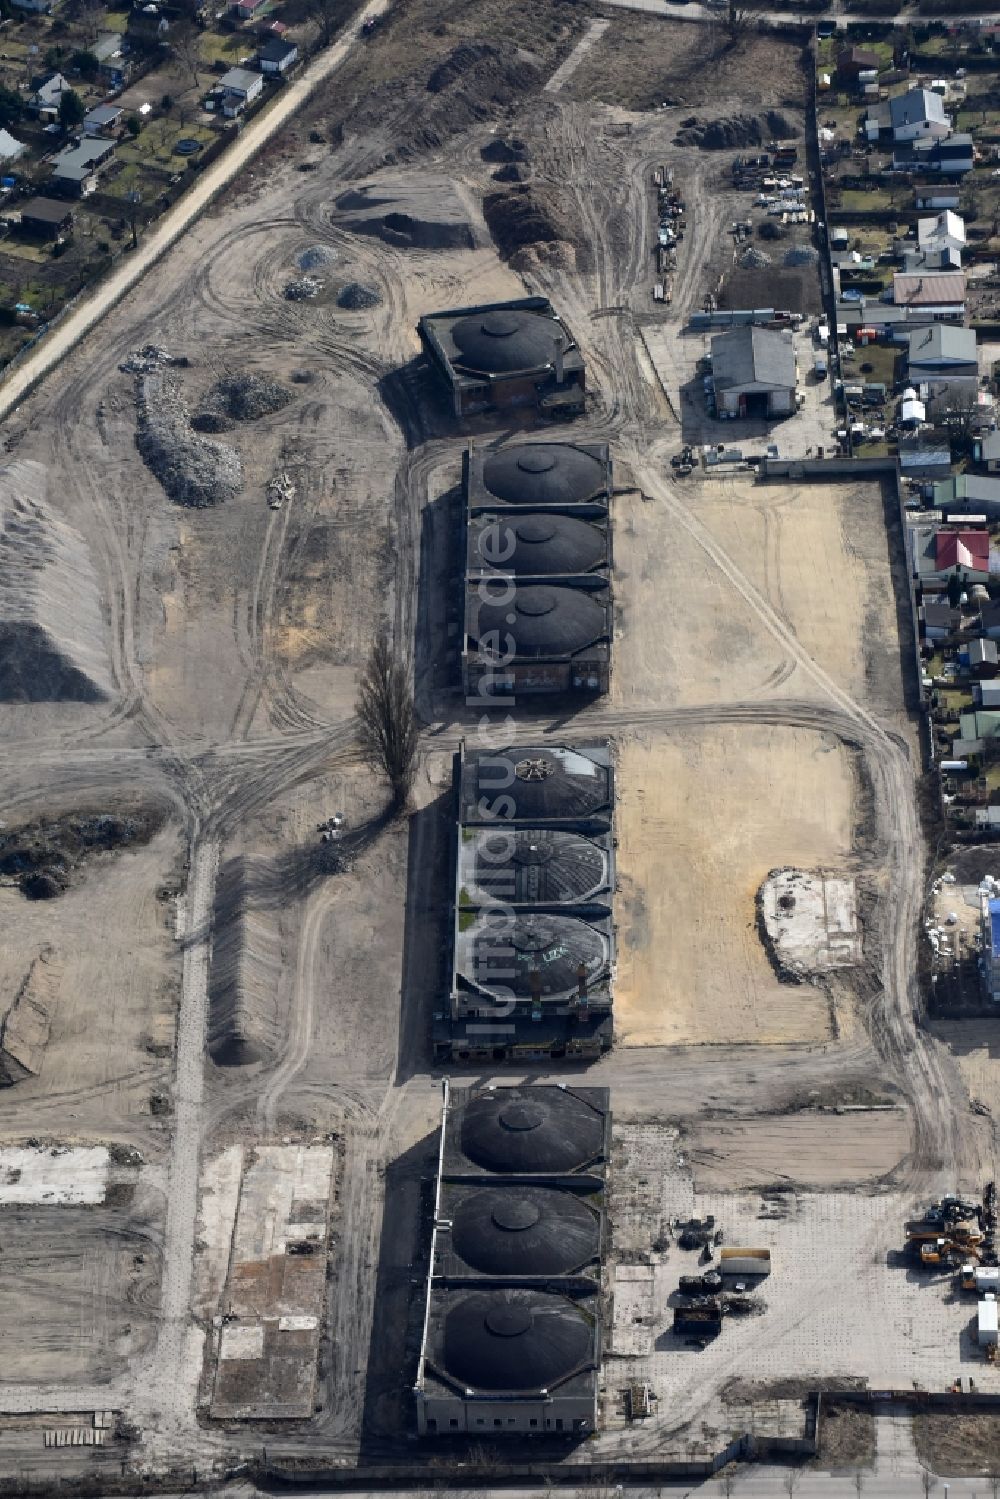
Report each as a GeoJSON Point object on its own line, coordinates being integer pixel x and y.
{"type": "Point", "coordinates": [851, 61]}
{"type": "Point", "coordinates": [977, 726]}
{"type": "Point", "coordinates": [941, 349]}
{"type": "Point", "coordinates": [987, 692]}
{"type": "Point", "coordinates": [989, 620]}
{"type": "Point", "coordinates": [943, 231]}
{"type": "Point", "coordinates": [48, 91]}
{"type": "Point", "coordinates": [113, 66]}
{"type": "Point", "coordinates": [45, 218]}
{"type": "Point", "coordinates": [919, 460]}
{"type": "Point", "coordinates": [147, 26]}
{"type": "Point", "coordinates": [986, 451]}
{"type": "Point", "coordinates": [105, 120]}
{"type": "Point", "coordinates": [947, 158]}
{"type": "Point", "coordinates": [971, 492]}
{"type": "Point", "coordinates": [938, 619]}
{"type": "Point", "coordinates": [10, 149]}
{"type": "Point", "coordinates": [939, 296]}
{"type": "Point", "coordinates": [754, 372]}
{"type": "Point", "coordinates": [245, 10]}
{"type": "Point", "coordinates": [239, 87]}
{"type": "Point", "coordinates": [937, 197]}
{"type": "Point", "coordinates": [75, 171]}
{"type": "Point", "coordinates": [984, 660]}
{"type": "Point", "coordinates": [938, 554]}
{"type": "Point", "coordinates": [277, 56]}
{"type": "Point", "coordinates": [915, 116]}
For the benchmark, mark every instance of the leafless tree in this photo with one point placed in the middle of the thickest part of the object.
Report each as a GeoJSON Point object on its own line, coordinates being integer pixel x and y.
{"type": "Point", "coordinates": [928, 1481]}
{"type": "Point", "coordinates": [791, 1481]}
{"type": "Point", "coordinates": [740, 17]}
{"type": "Point", "coordinates": [329, 15]}
{"type": "Point", "coordinates": [388, 723]}
{"type": "Point", "coordinates": [995, 1485]}
{"type": "Point", "coordinates": [728, 1481]}
{"type": "Point", "coordinates": [185, 45]}
{"type": "Point", "coordinates": [859, 1482]}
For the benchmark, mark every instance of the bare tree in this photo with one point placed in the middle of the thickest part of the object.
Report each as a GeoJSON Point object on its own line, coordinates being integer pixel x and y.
{"type": "Point", "coordinates": [859, 1482]}
{"type": "Point", "coordinates": [740, 17]}
{"type": "Point", "coordinates": [185, 44]}
{"type": "Point", "coordinates": [329, 16]}
{"type": "Point", "coordinates": [388, 723]}
{"type": "Point", "coordinates": [791, 1481]}
{"type": "Point", "coordinates": [928, 1481]}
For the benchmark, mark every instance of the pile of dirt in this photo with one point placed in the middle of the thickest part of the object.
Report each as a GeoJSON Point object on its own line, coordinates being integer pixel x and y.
{"type": "Point", "coordinates": [476, 82]}
{"type": "Point", "coordinates": [531, 217]}
{"type": "Point", "coordinates": [510, 173]}
{"type": "Point", "coordinates": [317, 257]}
{"type": "Point", "coordinates": [355, 296]}
{"type": "Point", "coordinates": [405, 231]}
{"type": "Point", "coordinates": [245, 970]}
{"type": "Point", "coordinates": [247, 397]}
{"type": "Point", "coordinates": [734, 131]}
{"type": "Point", "coordinates": [41, 856]}
{"type": "Point", "coordinates": [52, 635]}
{"type": "Point", "coordinates": [192, 470]}
{"type": "Point", "coordinates": [507, 151]}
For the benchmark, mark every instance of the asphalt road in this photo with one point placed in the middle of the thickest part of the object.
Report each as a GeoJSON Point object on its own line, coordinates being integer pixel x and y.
{"type": "Point", "coordinates": [696, 12]}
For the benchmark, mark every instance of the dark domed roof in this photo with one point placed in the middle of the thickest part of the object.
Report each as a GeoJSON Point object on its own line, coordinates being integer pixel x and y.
{"type": "Point", "coordinates": [538, 542]}
{"type": "Point", "coordinates": [524, 1231]}
{"type": "Point", "coordinates": [506, 955]}
{"type": "Point", "coordinates": [530, 1130]}
{"type": "Point", "coordinates": [534, 783]}
{"type": "Point", "coordinates": [543, 621]}
{"type": "Point", "coordinates": [515, 1340]}
{"type": "Point", "coordinates": [544, 473]}
{"type": "Point", "coordinates": [506, 340]}
{"type": "Point", "coordinates": [532, 866]}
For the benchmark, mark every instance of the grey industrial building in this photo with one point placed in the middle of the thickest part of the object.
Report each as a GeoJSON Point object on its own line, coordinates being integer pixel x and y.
{"type": "Point", "coordinates": [504, 354]}
{"type": "Point", "coordinates": [754, 373]}
{"type": "Point", "coordinates": [511, 1338]}
{"type": "Point", "coordinates": [532, 963]}
{"type": "Point", "coordinates": [538, 614]}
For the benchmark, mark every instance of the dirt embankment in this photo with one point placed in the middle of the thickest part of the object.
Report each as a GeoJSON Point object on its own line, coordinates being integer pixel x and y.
{"type": "Point", "coordinates": [535, 221]}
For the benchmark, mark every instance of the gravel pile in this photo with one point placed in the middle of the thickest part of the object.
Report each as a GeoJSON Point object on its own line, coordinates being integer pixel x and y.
{"type": "Point", "coordinates": [355, 296]}
{"type": "Point", "coordinates": [245, 398]}
{"type": "Point", "coordinates": [753, 259]}
{"type": "Point", "coordinates": [192, 470]}
{"type": "Point", "coordinates": [145, 360]}
{"type": "Point", "coordinates": [802, 255]}
{"type": "Point", "coordinates": [316, 257]}
{"type": "Point", "coordinates": [302, 289]}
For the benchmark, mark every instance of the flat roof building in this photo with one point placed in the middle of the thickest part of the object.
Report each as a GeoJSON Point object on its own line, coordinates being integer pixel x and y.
{"type": "Point", "coordinates": [503, 354]}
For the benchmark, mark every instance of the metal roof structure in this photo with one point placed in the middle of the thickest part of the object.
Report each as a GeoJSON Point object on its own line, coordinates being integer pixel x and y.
{"type": "Point", "coordinates": [517, 1232]}
{"type": "Point", "coordinates": [529, 1131]}
{"type": "Point", "coordinates": [533, 867]}
{"type": "Point", "coordinates": [540, 623]}
{"type": "Point", "coordinates": [537, 785]}
{"type": "Point", "coordinates": [512, 1340]}
{"type": "Point", "coordinates": [499, 353]}
{"type": "Point", "coordinates": [535, 543]}
{"type": "Point", "coordinates": [942, 343]}
{"type": "Point", "coordinates": [506, 340]}
{"type": "Point", "coordinates": [753, 356]}
{"type": "Point", "coordinates": [919, 106]}
{"type": "Point", "coordinates": [547, 473]}
{"type": "Point", "coordinates": [537, 959]}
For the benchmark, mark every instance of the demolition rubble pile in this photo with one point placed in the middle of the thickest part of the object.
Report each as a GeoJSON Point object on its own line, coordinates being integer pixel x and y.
{"type": "Point", "coordinates": [193, 470]}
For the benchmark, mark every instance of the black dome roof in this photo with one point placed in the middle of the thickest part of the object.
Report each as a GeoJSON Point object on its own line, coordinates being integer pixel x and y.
{"type": "Point", "coordinates": [507, 955]}
{"type": "Point", "coordinates": [543, 782]}
{"type": "Point", "coordinates": [530, 1130]}
{"type": "Point", "coordinates": [544, 473]}
{"type": "Point", "coordinates": [515, 1340]}
{"type": "Point", "coordinates": [539, 542]}
{"type": "Point", "coordinates": [524, 1231]}
{"type": "Point", "coordinates": [506, 340]}
{"type": "Point", "coordinates": [533, 866]}
{"type": "Point", "coordinates": [543, 621]}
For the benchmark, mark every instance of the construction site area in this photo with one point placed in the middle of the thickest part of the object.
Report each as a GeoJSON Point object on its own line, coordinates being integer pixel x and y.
{"type": "Point", "coordinates": [736, 1149]}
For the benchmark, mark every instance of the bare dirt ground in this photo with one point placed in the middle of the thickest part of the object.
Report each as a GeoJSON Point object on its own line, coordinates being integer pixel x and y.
{"type": "Point", "coordinates": [235, 635]}
{"type": "Point", "coordinates": [966, 1444]}
{"type": "Point", "coordinates": [818, 1150]}
{"type": "Point", "coordinates": [698, 832]}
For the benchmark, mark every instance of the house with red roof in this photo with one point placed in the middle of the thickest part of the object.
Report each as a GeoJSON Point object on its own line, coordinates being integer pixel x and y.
{"type": "Point", "coordinates": [939, 552]}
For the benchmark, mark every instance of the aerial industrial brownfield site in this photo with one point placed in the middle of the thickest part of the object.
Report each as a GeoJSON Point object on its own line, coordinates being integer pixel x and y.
{"type": "Point", "coordinates": [500, 748]}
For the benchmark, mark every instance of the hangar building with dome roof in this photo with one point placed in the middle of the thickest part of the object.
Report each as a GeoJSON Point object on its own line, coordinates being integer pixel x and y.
{"type": "Point", "coordinates": [504, 354]}
{"type": "Point", "coordinates": [511, 1339]}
